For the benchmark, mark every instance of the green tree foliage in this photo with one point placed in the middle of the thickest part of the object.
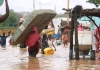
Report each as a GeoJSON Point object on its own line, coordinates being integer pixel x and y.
{"type": "Point", "coordinates": [95, 2]}
{"type": "Point", "coordinates": [11, 21]}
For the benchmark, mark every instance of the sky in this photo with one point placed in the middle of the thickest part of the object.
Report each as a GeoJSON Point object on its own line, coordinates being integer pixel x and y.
{"type": "Point", "coordinates": [57, 5]}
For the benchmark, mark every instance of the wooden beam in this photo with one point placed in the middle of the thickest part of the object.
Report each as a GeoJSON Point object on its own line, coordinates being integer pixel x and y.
{"type": "Point", "coordinates": [92, 21]}
{"type": "Point", "coordinates": [71, 38]}
{"type": "Point", "coordinates": [68, 14]}
{"type": "Point", "coordinates": [87, 12]}
{"type": "Point", "coordinates": [76, 36]}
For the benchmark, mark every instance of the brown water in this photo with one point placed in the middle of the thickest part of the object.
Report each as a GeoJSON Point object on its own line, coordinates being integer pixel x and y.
{"type": "Point", "coordinates": [14, 58]}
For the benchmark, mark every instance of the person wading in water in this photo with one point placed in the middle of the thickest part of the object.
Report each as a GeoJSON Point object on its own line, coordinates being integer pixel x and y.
{"type": "Point", "coordinates": [97, 41]}
{"type": "Point", "coordinates": [33, 42]}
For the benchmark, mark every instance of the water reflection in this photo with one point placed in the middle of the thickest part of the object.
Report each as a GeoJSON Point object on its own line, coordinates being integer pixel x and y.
{"type": "Point", "coordinates": [81, 64]}
{"type": "Point", "coordinates": [97, 65]}
{"type": "Point", "coordinates": [23, 51]}
{"type": "Point", "coordinates": [33, 63]}
{"type": "Point", "coordinates": [15, 58]}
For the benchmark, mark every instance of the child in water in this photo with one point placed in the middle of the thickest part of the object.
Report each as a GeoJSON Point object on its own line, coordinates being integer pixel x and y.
{"type": "Point", "coordinates": [65, 39]}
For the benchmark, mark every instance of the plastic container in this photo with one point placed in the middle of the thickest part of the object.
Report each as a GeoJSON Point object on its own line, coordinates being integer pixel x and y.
{"type": "Point", "coordinates": [48, 51]}
{"type": "Point", "coordinates": [58, 42]}
{"type": "Point", "coordinates": [51, 32]}
{"type": "Point", "coordinates": [56, 36]}
{"type": "Point", "coordinates": [48, 31]}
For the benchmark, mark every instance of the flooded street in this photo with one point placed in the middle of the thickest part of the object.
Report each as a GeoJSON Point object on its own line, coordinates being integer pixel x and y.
{"type": "Point", "coordinates": [14, 58]}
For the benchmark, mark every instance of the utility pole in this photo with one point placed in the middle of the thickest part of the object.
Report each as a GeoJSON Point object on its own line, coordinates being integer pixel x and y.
{"type": "Point", "coordinates": [68, 14]}
{"type": "Point", "coordinates": [55, 8]}
{"type": "Point", "coordinates": [67, 4]}
{"type": "Point", "coordinates": [40, 4]}
{"type": "Point", "coordinates": [34, 4]}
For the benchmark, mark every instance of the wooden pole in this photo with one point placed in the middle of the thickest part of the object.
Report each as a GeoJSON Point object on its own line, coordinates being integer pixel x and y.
{"type": "Point", "coordinates": [76, 36]}
{"type": "Point", "coordinates": [34, 4]}
{"type": "Point", "coordinates": [68, 4]}
{"type": "Point", "coordinates": [68, 14]}
{"type": "Point", "coordinates": [40, 4]}
{"type": "Point", "coordinates": [71, 39]}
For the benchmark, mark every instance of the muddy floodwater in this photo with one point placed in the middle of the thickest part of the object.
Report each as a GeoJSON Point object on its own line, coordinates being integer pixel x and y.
{"type": "Point", "coordinates": [14, 58]}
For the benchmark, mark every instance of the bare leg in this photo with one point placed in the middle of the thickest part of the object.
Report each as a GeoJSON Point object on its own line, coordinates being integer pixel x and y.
{"type": "Point", "coordinates": [97, 52]}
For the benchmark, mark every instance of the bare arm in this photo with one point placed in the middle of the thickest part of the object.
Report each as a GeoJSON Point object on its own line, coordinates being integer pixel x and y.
{"type": "Point", "coordinates": [9, 33]}
{"type": "Point", "coordinates": [4, 17]}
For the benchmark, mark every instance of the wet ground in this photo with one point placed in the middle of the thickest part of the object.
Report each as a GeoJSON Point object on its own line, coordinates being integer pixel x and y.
{"type": "Point", "coordinates": [14, 58]}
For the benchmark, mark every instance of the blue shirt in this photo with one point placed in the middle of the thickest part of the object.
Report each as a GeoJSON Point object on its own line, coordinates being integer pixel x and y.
{"type": "Point", "coordinates": [3, 40]}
